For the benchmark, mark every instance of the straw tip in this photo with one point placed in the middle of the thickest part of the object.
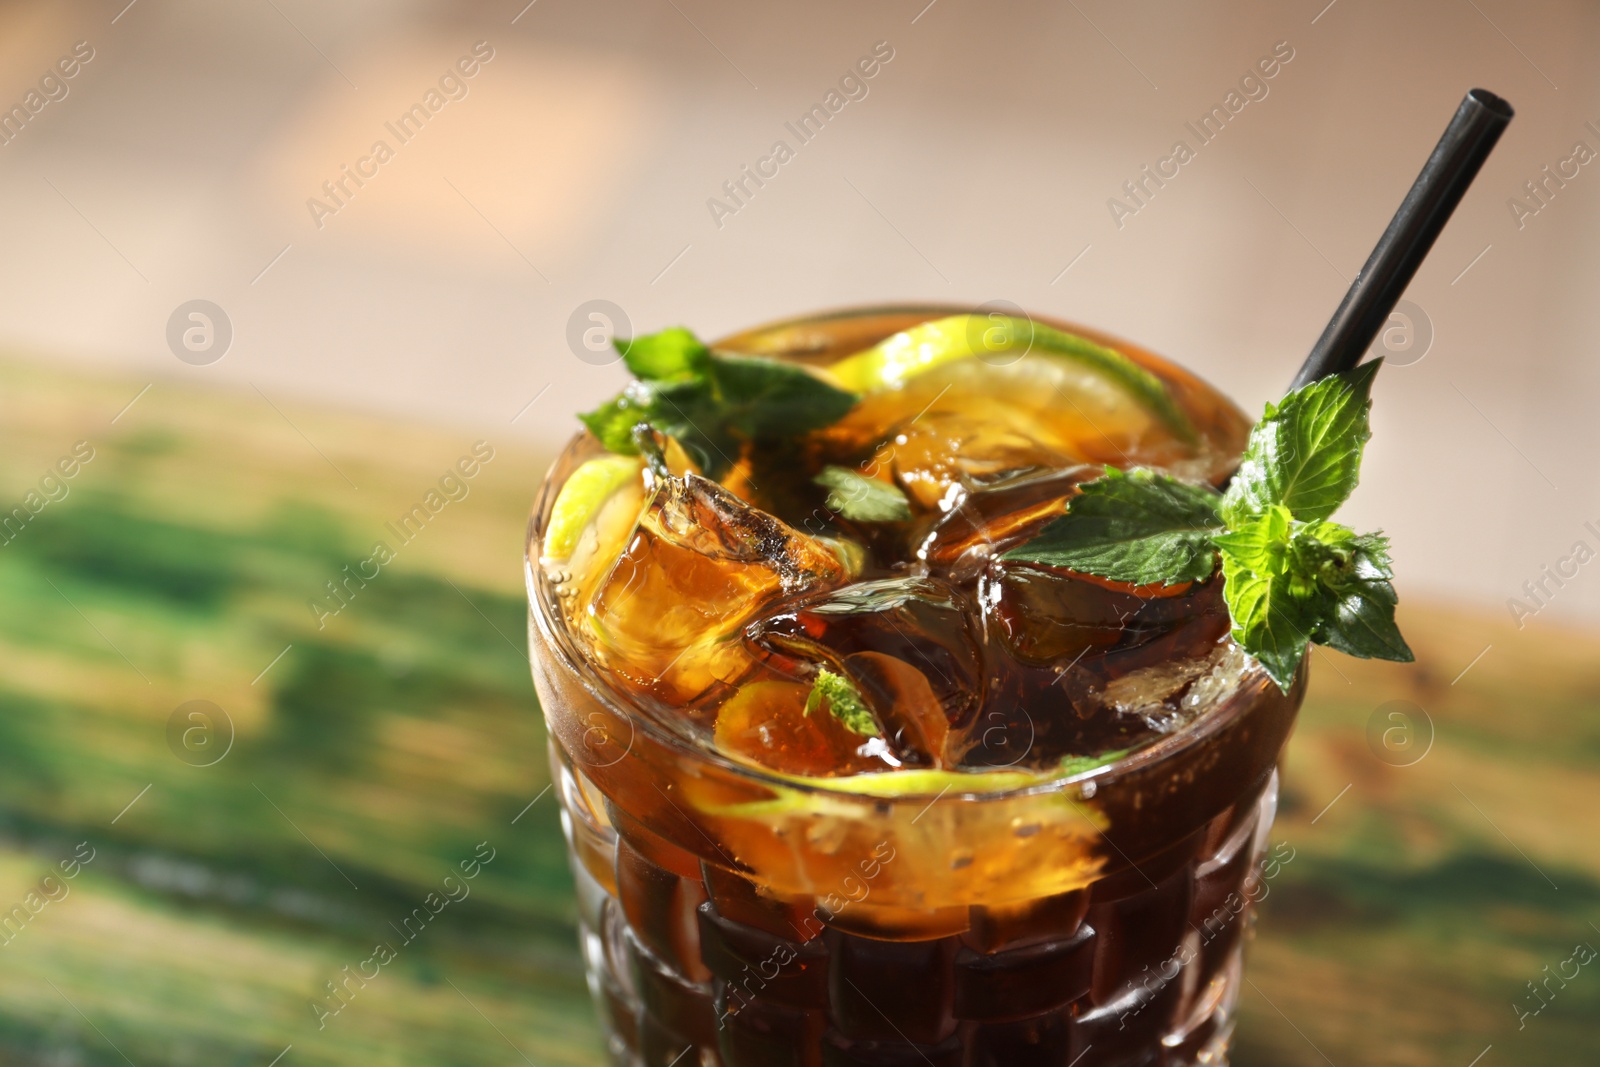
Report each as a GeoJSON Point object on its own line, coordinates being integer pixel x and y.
{"type": "Point", "coordinates": [1498, 105]}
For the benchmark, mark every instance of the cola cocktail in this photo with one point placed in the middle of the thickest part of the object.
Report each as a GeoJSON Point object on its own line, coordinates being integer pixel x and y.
{"type": "Point", "coordinates": [843, 782]}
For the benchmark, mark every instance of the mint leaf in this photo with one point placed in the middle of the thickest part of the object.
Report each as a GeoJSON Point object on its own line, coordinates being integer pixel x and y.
{"type": "Point", "coordinates": [1289, 582]}
{"type": "Point", "coordinates": [1269, 621]}
{"type": "Point", "coordinates": [690, 411]}
{"type": "Point", "coordinates": [1291, 576]}
{"type": "Point", "coordinates": [1358, 616]}
{"type": "Point", "coordinates": [855, 496]}
{"type": "Point", "coordinates": [844, 703]}
{"type": "Point", "coordinates": [711, 403]}
{"type": "Point", "coordinates": [1305, 453]}
{"type": "Point", "coordinates": [1260, 543]}
{"type": "Point", "coordinates": [613, 422]}
{"type": "Point", "coordinates": [765, 400]}
{"type": "Point", "coordinates": [687, 410]}
{"type": "Point", "coordinates": [1141, 528]}
{"type": "Point", "coordinates": [1317, 555]}
{"type": "Point", "coordinates": [672, 354]}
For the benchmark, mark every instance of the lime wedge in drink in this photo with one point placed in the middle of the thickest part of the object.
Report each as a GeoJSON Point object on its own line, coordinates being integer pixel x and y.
{"type": "Point", "coordinates": [916, 782]}
{"type": "Point", "coordinates": [583, 498]}
{"type": "Point", "coordinates": [1000, 341]}
{"type": "Point", "coordinates": [815, 798]}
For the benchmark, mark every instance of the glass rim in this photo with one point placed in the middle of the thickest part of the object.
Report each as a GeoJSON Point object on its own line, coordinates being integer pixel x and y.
{"type": "Point", "coordinates": [545, 608]}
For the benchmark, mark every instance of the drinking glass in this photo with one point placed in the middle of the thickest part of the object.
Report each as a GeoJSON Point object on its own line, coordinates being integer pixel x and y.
{"type": "Point", "coordinates": [736, 917]}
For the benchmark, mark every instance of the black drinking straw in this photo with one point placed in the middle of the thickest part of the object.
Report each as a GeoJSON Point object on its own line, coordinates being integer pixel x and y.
{"type": "Point", "coordinates": [1466, 143]}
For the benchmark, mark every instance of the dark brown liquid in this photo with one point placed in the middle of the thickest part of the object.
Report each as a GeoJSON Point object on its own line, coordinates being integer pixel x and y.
{"type": "Point", "coordinates": [694, 964]}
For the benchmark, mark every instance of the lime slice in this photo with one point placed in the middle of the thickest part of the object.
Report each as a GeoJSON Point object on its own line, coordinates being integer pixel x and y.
{"type": "Point", "coordinates": [582, 497]}
{"type": "Point", "coordinates": [839, 797]}
{"type": "Point", "coordinates": [998, 339]}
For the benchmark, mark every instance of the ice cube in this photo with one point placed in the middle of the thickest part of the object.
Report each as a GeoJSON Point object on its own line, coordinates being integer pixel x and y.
{"type": "Point", "coordinates": [1160, 693]}
{"type": "Point", "coordinates": [1048, 616]}
{"type": "Point", "coordinates": [1082, 666]}
{"type": "Point", "coordinates": [767, 721]}
{"type": "Point", "coordinates": [669, 614]}
{"type": "Point", "coordinates": [984, 522]}
{"type": "Point", "coordinates": [967, 449]}
{"type": "Point", "coordinates": [916, 729]}
{"type": "Point", "coordinates": [921, 621]}
{"type": "Point", "coordinates": [967, 422]}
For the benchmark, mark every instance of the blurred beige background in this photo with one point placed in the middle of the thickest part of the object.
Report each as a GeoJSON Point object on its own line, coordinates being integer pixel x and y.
{"type": "Point", "coordinates": [577, 164]}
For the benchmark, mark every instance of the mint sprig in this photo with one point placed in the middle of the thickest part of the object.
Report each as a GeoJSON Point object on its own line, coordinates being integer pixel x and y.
{"type": "Point", "coordinates": [710, 402]}
{"type": "Point", "coordinates": [1360, 619]}
{"type": "Point", "coordinates": [844, 703]}
{"type": "Point", "coordinates": [1305, 453]}
{"type": "Point", "coordinates": [1141, 527]}
{"type": "Point", "coordinates": [855, 496]}
{"type": "Point", "coordinates": [1291, 576]}
{"type": "Point", "coordinates": [673, 354]}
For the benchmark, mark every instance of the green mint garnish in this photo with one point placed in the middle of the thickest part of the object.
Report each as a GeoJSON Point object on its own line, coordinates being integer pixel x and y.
{"type": "Point", "coordinates": [1260, 542]}
{"type": "Point", "coordinates": [1359, 620]}
{"type": "Point", "coordinates": [844, 702]}
{"type": "Point", "coordinates": [712, 403]}
{"type": "Point", "coordinates": [1140, 527]}
{"type": "Point", "coordinates": [855, 496]}
{"type": "Point", "coordinates": [1291, 577]}
{"type": "Point", "coordinates": [1305, 453]}
{"type": "Point", "coordinates": [672, 355]}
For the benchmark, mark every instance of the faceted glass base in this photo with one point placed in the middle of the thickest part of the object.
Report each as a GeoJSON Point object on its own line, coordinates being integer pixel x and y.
{"type": "Point", "coordinates": [694, 964]}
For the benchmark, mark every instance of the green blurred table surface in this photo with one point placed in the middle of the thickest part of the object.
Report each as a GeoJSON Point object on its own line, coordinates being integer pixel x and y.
{"type": "Point", "coordinates": [376, 749]}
